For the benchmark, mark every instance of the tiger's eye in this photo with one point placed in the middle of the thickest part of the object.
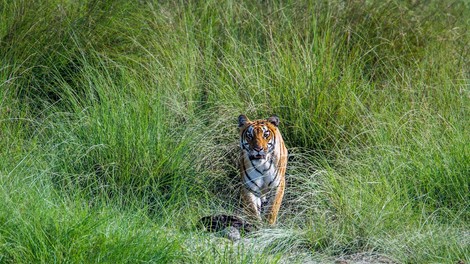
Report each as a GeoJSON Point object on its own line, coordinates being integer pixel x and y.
{"type": "Point", "coordinates": [266, 134]}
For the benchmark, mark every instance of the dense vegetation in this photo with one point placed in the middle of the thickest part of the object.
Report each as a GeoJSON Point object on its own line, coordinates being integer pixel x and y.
{"type": "Point", "coordinates": [118, 128]}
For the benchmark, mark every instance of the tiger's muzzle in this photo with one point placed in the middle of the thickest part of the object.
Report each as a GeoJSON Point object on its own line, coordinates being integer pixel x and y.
{"type": "Point", "coordinates": [257, 153]}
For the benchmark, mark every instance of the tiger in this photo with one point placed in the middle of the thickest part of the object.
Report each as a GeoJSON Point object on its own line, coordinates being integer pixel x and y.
{"type": "Point", "coordinates": [263, 164]}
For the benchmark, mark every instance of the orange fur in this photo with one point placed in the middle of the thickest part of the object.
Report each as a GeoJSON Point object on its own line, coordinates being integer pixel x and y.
{"type": "Point", "coordinates": [262, 167]}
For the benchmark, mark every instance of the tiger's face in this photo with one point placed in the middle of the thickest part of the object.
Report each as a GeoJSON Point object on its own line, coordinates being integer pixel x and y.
{"type": "Point", "coordinates": [257, 138]}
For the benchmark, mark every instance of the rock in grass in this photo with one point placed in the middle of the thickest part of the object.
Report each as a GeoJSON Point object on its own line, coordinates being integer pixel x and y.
{"type": "Point", "coordinates": [231, 233]}
{"type": "Point", "coordinates": [229, 226]}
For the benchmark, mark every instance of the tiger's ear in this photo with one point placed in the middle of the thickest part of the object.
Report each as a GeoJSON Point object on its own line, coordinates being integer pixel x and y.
{"type": "Point", "coordinates": [274, 120]}
{"type": "Point", "coordinates": [242, 120]}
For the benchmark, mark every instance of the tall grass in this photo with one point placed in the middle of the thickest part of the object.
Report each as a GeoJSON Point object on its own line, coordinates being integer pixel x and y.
{"type": "Point", "coordinates": [118, 128]}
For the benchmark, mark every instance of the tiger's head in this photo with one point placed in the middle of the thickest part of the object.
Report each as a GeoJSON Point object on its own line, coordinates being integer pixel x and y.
{"type": "Point", "coordinates": [258, 137]}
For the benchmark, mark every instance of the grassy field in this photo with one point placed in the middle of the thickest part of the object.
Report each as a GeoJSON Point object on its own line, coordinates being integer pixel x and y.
{"type": "Point", "coordinates": [118, 129]}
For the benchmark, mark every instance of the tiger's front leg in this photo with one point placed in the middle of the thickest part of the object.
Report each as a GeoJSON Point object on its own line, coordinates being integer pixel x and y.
{"type": "Point", "coordinates": [251, 205]}
{"type": "Point", "coordinates": [275, 203]}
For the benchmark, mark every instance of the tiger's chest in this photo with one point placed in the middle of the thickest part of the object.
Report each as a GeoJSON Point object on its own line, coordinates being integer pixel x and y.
{"type": "Point", "coordinates": [260, 175]}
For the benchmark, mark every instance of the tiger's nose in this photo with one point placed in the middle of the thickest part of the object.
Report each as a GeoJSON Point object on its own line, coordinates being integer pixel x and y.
{"type": "Point", "coordinates": [258, 149]}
